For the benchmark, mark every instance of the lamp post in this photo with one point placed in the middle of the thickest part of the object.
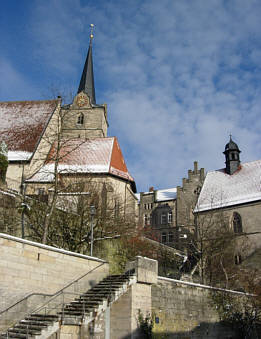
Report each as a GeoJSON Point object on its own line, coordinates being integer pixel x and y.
{"type": "Point", "coordinates": [92, 213]}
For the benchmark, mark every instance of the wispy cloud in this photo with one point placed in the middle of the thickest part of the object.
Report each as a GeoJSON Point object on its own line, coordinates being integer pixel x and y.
{"type": "Point", "coordinates": [178, 76]}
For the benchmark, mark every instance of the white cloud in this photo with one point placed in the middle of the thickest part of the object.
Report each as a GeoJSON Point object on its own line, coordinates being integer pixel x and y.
{"type": "Point", "coordinates": [178, 76]}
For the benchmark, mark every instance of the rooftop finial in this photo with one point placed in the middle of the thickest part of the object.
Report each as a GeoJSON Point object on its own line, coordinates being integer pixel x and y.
{"type": "Point", "coordinates": [91, 35]}
{"type": "Point", "coordinates": [230, 135]}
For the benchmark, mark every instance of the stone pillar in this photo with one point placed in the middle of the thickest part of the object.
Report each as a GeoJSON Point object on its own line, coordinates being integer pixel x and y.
{"type": "Point", "coordinates": [124, 312]}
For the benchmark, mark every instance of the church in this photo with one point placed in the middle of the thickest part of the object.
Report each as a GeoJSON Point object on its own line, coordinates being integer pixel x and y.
{"type": "Point", "coordinates": [234, 193]}
{"type": "Point", "coordinates": [54, 144]}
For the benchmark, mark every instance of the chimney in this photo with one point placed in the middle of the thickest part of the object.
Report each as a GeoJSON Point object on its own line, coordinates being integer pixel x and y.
{"type": "Point", "coordinates": [151, 189]}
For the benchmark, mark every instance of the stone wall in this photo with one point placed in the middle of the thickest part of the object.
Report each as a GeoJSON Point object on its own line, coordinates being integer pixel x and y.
{"type": "Point", "coordinates": [184, 310]}
{"type": "Point", "coordinates": [32, 268]}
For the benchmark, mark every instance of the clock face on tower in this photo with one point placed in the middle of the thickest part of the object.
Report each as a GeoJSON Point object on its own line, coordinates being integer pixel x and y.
{"type": "Point", "coordinates": [82, 100]}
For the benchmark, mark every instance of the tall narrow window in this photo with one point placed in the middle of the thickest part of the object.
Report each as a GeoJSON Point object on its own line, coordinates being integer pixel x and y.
{"type": "Point", "coordinates": [170, 217]}
{"type": "Point", "coordinates": [237, 223]}
{"type": "Point", "coordinates": [80, 119]}
{"type": "Point", "coordinates": [171, 237]}
{"type": "Point", "coordinates": [145, 219]}
{"type": "Point", "coordinates": [238, 259]}
{"type": "Point", "coordinates": [163, 237]}
{"type": "Point", "coordinates": [163, 218]}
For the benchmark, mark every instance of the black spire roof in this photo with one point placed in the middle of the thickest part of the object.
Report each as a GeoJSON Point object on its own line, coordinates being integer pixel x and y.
{"type": "Point", "coordinates": [231, 146]}
{"type": "Point", "coordinates": [87, 79]}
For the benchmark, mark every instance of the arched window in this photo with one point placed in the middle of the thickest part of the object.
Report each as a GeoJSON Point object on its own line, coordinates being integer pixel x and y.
{"type": "Point", "coordinates": [238, 259]}
{"type": "Point", "coordinates": [163, 237]}
{"type": "Point", "coordinates": [237, 223]}
{"type": "Point", "coordinates": [80, 119]}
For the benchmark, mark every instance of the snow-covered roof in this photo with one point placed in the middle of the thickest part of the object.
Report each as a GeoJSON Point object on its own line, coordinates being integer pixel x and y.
{"type": "Point", "coordinates": [23, 122]}
{"type": "Point", "coordinates": [166, 194]}
{"type": "Point", "coordinates": [19, 155]}
{"type": "Point", "coordinates": [137, 195]}
{"type": "Point", "coordinates": [162, 195]}
{"type": "Point", "coordinates": [100, 155]}
{"type": "Point", "coordinates": [221, 189]}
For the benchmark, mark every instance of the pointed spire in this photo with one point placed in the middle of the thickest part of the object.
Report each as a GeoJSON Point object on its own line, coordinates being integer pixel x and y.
{"type": "Point", "coordinates": [87, 79]}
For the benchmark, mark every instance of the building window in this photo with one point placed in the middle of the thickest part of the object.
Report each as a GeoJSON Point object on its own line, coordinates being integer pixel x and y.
{"type": "Point", "coordinates": [146, 219]}
{"type": "Point", "coordinates": [238, 259]}
{"type": "Point", "coordinates": [237, 223]}
{"type": "Point", "coordinates": [170, 219]}
{"type": "Point", "coordinates": [41, 191]}
{"type": "Point", "coordinates": [163, 237]}
{"type": "Point", "coordinates": [80, 119]}
{"type": "Point", "coordinates": [163, 218]}
{"type": "Point", "coordinates": [171, 237]}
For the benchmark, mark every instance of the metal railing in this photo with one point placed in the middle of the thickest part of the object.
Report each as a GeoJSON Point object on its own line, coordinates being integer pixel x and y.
{"type": "Point", "coordinates": [55, 303]}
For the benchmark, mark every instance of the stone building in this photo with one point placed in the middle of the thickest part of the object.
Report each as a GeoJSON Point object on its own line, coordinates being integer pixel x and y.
{"type": "Point", "coordinates": [53, 144]}
{"type": "Point", "coordinates": [168, 213]}
{"type": "Point", "coordinates": [234, 193]}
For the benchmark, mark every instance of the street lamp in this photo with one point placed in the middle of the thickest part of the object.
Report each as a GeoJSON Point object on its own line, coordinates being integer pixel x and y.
{"type": "Point", "coordinates": [92, 213]}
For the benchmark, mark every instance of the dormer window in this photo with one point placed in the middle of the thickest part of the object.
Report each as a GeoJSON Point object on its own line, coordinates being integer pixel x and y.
{"type": "Point", "coordinates": [80, 119]}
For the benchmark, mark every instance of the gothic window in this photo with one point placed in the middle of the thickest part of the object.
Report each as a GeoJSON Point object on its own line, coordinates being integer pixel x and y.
{"type": "Point", "coordinates": [238, 259]}
{"type": "Point", "coordinates": [163, 237]}
{"type": "Point", "coordinates": [80, 119]}
{"type": "Point", "coordinates": [171, 237]}
{"type": "Point", "coordinates": [170, 217]}
{"type": "Point", "coordinates": [237, 223]}
{"type": "Point", "coordinates": [163, 218]}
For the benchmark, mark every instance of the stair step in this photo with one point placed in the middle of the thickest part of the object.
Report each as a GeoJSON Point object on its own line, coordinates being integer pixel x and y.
{"type": "Point", "coordinates": [23, 331]}
{"type": "Point", "coordinates": [72, 313]}
{"type": "Point", "coordinates": [31, 327]}
{"type": "Point", "coordinates": [52, 316]}
{"type": "Point", "coordinates": [13, 335]}
{"type": "Point", "coordinates": [33, 323]}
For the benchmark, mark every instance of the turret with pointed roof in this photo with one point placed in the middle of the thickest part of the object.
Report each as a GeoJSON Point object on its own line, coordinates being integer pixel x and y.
{"type": "Point", "coordinates": [232, 157]}
{"type": "Point", "coordinates": [87, 80]}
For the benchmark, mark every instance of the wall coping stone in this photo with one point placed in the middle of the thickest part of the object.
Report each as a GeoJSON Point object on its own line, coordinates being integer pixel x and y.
{"type": "Point", "coordinates": [203, 286]}
{"type": "Point", "coordinates": [50, 248]}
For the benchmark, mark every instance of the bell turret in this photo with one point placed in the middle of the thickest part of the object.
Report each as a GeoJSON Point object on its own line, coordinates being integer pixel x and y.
{"type": "Point", "coordinates": [232, 157]}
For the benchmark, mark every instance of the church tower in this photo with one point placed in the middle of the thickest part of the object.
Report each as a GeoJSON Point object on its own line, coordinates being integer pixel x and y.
{"type": "Point", "coordinates": [84, 118]}
{"type": "Point", "coordinates": [232, 157]}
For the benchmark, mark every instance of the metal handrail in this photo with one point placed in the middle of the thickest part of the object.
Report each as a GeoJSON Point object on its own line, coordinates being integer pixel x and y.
{"type": "Point", "coordinates": [23, 299]}
{"type": "Point", "coordinates": [49, 295]}
{"type": "Point", "coordinates": [53, 296]}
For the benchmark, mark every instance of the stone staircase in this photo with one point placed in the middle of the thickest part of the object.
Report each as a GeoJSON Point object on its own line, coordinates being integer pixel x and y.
{"type": "Point", "coordinates": [86, 307]}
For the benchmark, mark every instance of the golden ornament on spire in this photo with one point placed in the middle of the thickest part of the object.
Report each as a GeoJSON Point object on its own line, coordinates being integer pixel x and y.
{"type": "Point", "coordinates": [92, 27]}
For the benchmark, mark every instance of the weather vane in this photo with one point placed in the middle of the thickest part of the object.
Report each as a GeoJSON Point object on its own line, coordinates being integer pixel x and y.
{"type": "Point", "coordinates": [92, 27]}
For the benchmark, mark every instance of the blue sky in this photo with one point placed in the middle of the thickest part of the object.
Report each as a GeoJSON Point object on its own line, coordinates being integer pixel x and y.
{"type": "Point", "coordinates": [178, 76]}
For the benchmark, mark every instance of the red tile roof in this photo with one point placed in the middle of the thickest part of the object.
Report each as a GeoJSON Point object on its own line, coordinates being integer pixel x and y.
{"type": "Point", "coordinates": [23, 122]}
{"type": "Point", "coordinates": [100, 155]}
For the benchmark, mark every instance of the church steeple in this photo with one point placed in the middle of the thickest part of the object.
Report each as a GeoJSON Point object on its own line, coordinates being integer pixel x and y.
{"type": "Point", "coordinates": [232, 157]}
{"type": "Point", "coordinates": [87, 79]}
